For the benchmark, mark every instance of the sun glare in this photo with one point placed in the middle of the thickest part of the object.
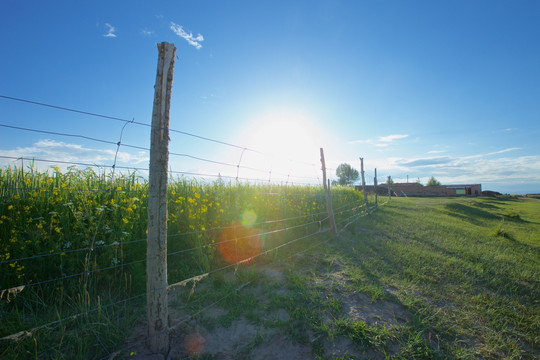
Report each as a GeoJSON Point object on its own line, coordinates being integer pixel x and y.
{"type": "Point", "coordinates": [289, 141]}
{"type": "Point", "coordinates": [285, 134]}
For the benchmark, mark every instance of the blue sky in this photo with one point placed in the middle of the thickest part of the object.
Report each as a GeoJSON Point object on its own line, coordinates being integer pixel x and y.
{"type": "Point", "coordinates": [416, 88]}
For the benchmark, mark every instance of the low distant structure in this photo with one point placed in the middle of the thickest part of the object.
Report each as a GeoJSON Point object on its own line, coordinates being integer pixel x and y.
{"type": "Point", "coordinates": [416, 189]}
{"type": "Point", "coordinates": [491, 193]}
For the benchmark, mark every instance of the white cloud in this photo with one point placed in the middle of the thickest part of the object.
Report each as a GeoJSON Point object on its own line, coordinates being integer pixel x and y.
{"type": "Point", "coordinates": [507, 171]}
{"type": "Point", "coordinates": [76, 153]}
{"type": "Point", "coordinates": [436, 151]}
{"type": "Point", "coordinates": [391, 138]}
{"type": "Point", "coordinates": [491, 153]}
{"type": "Point", "coordinates": [192, 40]}
{"type": "Point", "coordinates": [381, 141]}
{"type": "Point", "coordinates": [111, 31]}
{"type": "Point", "coordinates": [147, 32]}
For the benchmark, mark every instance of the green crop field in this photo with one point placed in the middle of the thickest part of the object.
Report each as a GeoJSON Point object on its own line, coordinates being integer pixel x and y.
{"type": "Point", "coordinates": [419, 278]}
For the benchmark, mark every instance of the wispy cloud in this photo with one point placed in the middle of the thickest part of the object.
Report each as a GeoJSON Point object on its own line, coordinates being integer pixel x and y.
{"type": "Point", "coordinates": [381, 141]}
{"type": "Point", "coordinates": [491, 153]}
{"type": "Point", "coordinates": [436, 151]}
{"type": "Point", "coordinates": [61, 151]}
{"type": "Point", "coordinates": [390, 138]}
{"type": "Point", "coordinates": [110, 31]}
{"type": "Point", "coordinates": [427, 162]}
{"type": "Point", "coordinates": [497, 168]}
{"type": "Point", "coordinates": [192, 40]}
{"type": "Point", "coordinates": [147, 32]}
{"type": "Point", "coordinates": [448, 161]}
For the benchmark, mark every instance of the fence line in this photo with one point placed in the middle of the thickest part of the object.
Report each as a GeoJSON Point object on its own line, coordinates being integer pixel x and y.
{"type": "Point", "coordinates": [91, 248]}
{"type": "Point", "coordinates": [150, 126]}
{"type": "Point", "coordinates": [69, 251]}
{"type": "Point", "coordinates": [200, 277]}
{"type": "Point", "coordinates": [180, 283]}
{"type": "Point", "coordinates": [348, 212]}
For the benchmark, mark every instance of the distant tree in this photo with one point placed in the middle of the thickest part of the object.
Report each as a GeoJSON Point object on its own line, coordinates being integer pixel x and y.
{"type": "Point", "coordinates": [389, 179]}
{"type": "Point", "coordinates": [346, 174]}
{"type": "Point", "coordinates": [433, 182]}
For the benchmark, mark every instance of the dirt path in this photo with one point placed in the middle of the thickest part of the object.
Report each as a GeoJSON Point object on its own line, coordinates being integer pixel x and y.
{"type": "Point", "coordinates": [272, 319]}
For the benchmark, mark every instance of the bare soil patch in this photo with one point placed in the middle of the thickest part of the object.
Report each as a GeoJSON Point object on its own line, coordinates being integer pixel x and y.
{"type": "Point", "coordinates": [262, 336]}
{"type": "Point", "coordinates": [360, 307]}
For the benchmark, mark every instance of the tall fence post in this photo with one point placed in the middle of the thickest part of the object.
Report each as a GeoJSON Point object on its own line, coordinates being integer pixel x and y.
{"type": "Point", "coordinates": [328, 196]}
{"type": "Point", "coordinates": [364, 184]}
{"type": "Point", "coordinates": [389, 192]}
{"type": "Point", "coordinates": [156, 251]}
{"type": "Point", "coordinates": [375, 185]}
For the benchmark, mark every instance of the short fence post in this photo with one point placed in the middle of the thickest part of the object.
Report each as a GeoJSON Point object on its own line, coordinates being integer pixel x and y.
{"type": "Point", "coordinates": [156, 251]}
{"type": "Point", "coordinates": [364, 184]}
{"type": "Point", "coordinates": [328, 196]}
{"type": "Point", "coordinates": [389, 192]}
{"type": "Point", "coordinates": [375, 185]}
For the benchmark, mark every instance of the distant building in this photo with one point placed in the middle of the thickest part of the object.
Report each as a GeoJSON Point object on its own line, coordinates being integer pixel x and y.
{"type": "Point", "coordinates": [416, 189]}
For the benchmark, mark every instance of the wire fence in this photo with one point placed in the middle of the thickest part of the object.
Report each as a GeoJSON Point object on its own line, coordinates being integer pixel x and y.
{"type": "Point", "coordinates": [73, 241]}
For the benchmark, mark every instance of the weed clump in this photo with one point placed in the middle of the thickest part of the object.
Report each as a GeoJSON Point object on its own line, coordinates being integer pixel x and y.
{"type": "Point", "coordinates": [512, 215]}
{"type": "Point", "coordinates": [500, 231]}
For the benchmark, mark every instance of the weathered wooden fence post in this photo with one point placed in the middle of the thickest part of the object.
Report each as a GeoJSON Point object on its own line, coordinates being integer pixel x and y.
{"type": "Point", "coordinates": [328, 196]}
{"type": "Point", "coordinates": [364, 184]}
{"type": "Point", "coordinates": [389, 191]}
{"type": "Point", "coordinates": [375, 186]}
{"type": "Point", "coordinates": [156, 251]}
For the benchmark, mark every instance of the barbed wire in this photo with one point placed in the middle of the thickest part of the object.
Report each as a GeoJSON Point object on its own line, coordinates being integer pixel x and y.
{"type": "Point", "coordinates": [129, 242]}
{"type": "Point", "coordinates": [30, 331]}
{"type": "Point", "coordinates": [148, 125]}
{"type": "Point", "coordinates": [85, 273]}
{"type": "Point", "coordinates": [252, 225]}
{"type": "Point", "coordinates": [119, 144]}
{"type": "Point", "coordinates": [70, 251]}
{"type": "Point", "coordinates": [203, 175]}
{"type": "Point", "coordinates": [214, 303]}
{"type": "Point", "coordinates": [248, 237]}
{"type": "Point", "coordinates": [92, 248]}
{"type": "Point", "coordinates": [71, 163]}
{"type": "Point", "coordinates": [67, 189]}
{"type": "Point", "coordinates": [66, 109]}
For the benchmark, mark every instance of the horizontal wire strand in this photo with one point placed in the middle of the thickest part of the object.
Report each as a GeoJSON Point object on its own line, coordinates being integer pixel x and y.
{"type": "Point", "coordinates": [143, 124]}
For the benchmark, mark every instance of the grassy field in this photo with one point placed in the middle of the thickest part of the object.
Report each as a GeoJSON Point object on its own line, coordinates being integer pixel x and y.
{"type": "Point", "coordinates": [421, 278]}
{"type": "Point", "coordinates": [418, 278]}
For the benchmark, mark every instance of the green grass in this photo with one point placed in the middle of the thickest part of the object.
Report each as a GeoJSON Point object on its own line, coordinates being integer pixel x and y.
{"type": "Point", "coordinates": [470, 292]}
{"type": "Point", "coordinates": [426, 278]}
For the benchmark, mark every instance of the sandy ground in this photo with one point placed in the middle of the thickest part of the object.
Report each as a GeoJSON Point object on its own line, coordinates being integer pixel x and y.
{"type": "Point", "coordinates": [244, 339]}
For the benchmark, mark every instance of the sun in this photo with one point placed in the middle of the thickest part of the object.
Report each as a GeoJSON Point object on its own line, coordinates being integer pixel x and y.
{"type": "Point", "coordinates": [286, 134]}
{"type": "Point", "coordinates": [288, 139]}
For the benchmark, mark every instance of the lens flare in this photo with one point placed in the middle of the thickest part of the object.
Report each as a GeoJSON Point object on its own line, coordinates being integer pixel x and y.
{"type": "Point", "coordinates": [249, 218]}
{"type": "Point", "coordinates": [238, 243]}
{"type": "Point", "coordinates": [194, 344]}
